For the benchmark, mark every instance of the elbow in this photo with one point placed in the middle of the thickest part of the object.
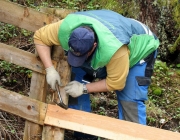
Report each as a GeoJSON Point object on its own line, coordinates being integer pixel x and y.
{"type": "Point", "coordinates": [114, 87]}
{"type": "Point", "coordinates": [119, 88]}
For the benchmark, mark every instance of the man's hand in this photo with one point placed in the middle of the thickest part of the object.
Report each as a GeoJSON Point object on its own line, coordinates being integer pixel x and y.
{"type": "Point", "coordinates": [74, 89]}
{"type": "Point", "coordinates": [52, 76]}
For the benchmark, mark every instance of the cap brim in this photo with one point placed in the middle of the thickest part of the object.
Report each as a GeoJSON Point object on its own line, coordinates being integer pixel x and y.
{"type": "Point", "coordinates": [76, 61]}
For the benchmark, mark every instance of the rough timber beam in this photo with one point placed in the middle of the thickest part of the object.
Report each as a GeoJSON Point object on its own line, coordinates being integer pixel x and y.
{"type": "Point", "coordinates": [102, 126]}
{"type": "Point", "coordinates": [21, 58]}
{"type": "Point", "coordinates": [22, 106]}
{"type": "Point", "coordinates": [23, 17]}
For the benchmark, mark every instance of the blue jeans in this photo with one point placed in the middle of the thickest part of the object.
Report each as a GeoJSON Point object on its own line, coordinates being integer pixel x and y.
{"type": "Point", "coordinates": [131, 106]}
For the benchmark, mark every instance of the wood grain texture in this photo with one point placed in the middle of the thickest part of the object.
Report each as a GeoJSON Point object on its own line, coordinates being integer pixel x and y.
{"type": "Point", "coordinates": [52, 133]}
{"type": "Point", "coordinates": [23, 17]}
{"type": "Point", "coordinates": [21, 58]}
{"type": "Point", "coordinates": [104, 126]}
{"type": "Point", "coordinates": [22, 106]}
{"type": "Point", "coordinates": [33, 131]}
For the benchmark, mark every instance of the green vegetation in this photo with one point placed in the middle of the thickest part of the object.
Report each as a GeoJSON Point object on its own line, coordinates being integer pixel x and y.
{"type": "Point", "coordinates": [8, 68]}
{"type": "Point", "coordinates": [172, 48]}
{"type": "Point", "coordinates": [176, 12]}
{"type": "Point", "coordinates": [7, 31]}
{"type": "Point", "coordinates": [164, 96]}
{"type": "Point", "coordinates": [128, 8]}
{"type": "Point", "coordinates": [14, 77]}
{"type": "Point", "coordinates": [168, 26]}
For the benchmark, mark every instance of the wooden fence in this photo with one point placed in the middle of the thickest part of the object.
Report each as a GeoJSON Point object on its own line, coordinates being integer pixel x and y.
{"type": "Point", "coordinates": [46, 121]}
{"type": "Point", "coordinates": [32, 20]}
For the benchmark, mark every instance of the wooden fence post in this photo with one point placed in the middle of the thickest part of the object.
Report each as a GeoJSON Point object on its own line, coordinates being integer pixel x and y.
{"type": "Point", "coordinates": [33, 131]}
{"type": "Point", "coordinates": [50, 132]}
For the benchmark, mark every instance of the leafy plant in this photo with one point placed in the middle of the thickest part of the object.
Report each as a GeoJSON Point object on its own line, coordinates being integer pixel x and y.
{"type": "Point", "coordinates": [163, 95]}
{"type": "Point", "coordinates": [8, 69]}
{"type": "Point", "coordinates": [7, 31]}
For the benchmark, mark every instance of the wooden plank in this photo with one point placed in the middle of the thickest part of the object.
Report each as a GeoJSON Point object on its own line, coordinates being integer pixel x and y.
{"type": "Point", "coordinates": [22, 106]}
{"type": "Point", "coordinates": [103, 126]}
{"type": "Point", "coordinates": [21, 58]}
{"type": "Point", "coordinates": [23, 17]}
{"type": "Point", "coordinates": [33, 131]}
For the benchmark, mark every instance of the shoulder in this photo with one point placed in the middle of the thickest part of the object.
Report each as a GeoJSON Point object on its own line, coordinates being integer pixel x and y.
{"type": "Point", "coordinates": [122, 51]}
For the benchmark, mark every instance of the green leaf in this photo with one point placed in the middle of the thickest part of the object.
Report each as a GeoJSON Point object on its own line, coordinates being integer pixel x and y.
{"type": "Point", "coordinates": [178, 65]}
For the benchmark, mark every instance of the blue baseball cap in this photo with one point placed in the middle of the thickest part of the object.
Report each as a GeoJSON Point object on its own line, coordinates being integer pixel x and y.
{"type": "Point", "coordinates": [80, 43]}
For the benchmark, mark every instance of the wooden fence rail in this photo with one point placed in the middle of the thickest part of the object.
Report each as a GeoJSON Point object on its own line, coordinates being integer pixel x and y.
{"type": "Point", "coordinates": [21, 58]}
{"type": "Point", "coordinates": [46, 121]}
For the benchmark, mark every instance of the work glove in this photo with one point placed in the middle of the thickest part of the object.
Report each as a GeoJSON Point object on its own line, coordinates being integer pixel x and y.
{"type": "Point", "coordinates": [74, 89]}
{"type": "Point", "coordinates": [52, 76]}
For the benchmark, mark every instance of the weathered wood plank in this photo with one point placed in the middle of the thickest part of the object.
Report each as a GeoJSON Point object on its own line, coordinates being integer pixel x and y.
{"type": "Point", "coordinates": [21, 58]}
{"type": "Point", "coordinates": [23, 17]}
{"type": "Point", "coordinates": [103, 126]}
{"type": "Point", "coordinates": [22, 106]}
{"type": "Point", "coordinates": [52, 133]}
{"type": "Point", "coordinates": [33, 131]}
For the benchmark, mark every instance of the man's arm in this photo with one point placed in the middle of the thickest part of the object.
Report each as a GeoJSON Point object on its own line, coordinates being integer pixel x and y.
{"type": "Point", "coordinates": [44, 38]}
{"type": "Point", "coordinates": [44, 54]}
{"type": "Point", "coordinates": [99, 86]}
{"type": "Point", "coordinates": [118, 69]}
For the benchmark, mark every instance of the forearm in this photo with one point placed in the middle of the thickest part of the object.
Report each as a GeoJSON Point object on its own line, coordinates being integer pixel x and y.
{"type": "Point", "coordinates": [44, 38]}
{"type": "Point", "coordinates": [44, 53]}
{"type": "Point", "coordinates": [99, 86]}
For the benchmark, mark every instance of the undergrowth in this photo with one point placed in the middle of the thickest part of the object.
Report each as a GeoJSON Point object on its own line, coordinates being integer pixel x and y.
{"type": "Point", "coordinates": [163, 107]}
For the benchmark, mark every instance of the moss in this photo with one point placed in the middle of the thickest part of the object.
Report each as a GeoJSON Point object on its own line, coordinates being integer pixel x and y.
{"type": "Point", "coordinates": [157, 91]}
{"type": "Point", "coordinates": [176, 12]}
{"type": "Point", "coordinates": [178, 72]}
{"type": "Point", "coordinates": [129, 8]}
{"type": "Point", "coordinates": [161, 2]}
{"type": "Point", "coordinates": [173, 48]}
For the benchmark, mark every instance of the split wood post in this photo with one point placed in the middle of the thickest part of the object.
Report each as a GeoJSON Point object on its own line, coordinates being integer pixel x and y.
{"type": "Point", "coordinates": [50, 132]}
{"type": "Point", "coordinates": [33, 131]}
